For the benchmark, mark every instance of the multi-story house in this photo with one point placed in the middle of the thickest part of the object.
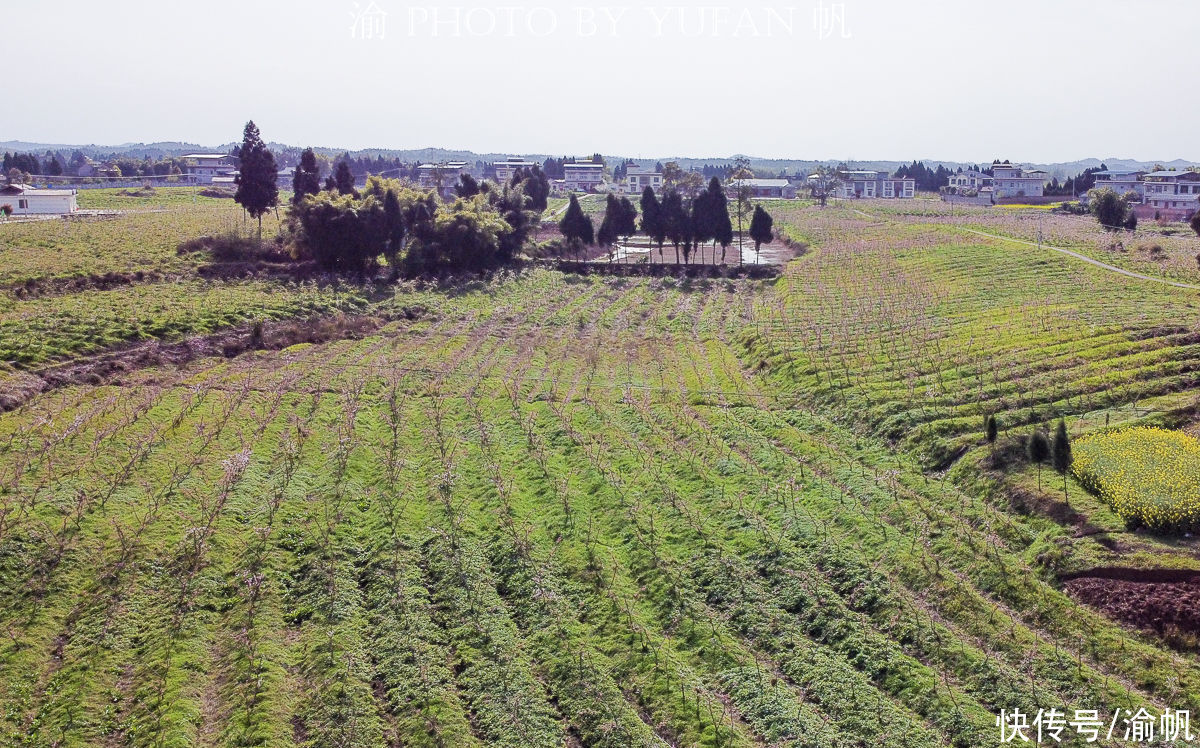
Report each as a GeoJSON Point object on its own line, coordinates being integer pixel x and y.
{"type": "Point", "coordinates": [639, 177]}
{"type": "Point", "coordinates": [968, 180]}
{"type": "Point", "coordinates": [1121, 181]}
{"type": "Point", "coordinates": [505, 169]}
{"type": "Point", "coordinates": [1010, 180]}
{"type": "Point", "coordinates": [583, 176]}
{"type": "Point", "coordinates": [1171, 195]}
{"type": "Point", "coordinates": [441, 176]}
{"type": "Point", "coordinates": [867, 183]}
{"type": "Point", "coordinates": [203, 168]}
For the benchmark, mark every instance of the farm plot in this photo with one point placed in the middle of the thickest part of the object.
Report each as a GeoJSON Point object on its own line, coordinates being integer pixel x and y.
{"type": "Point", "coordinates": [921, 333]}
{"type": "Point", "coordinates": [144, 239]}
{"type": "Point", "coordinates": [1148, 475]}
{"type": "Point", "coordinates": [555, 511]}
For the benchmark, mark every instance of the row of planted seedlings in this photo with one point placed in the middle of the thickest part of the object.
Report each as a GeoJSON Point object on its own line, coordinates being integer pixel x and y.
{"type": "Point", "coordinates": [1056, 652]}
{"type": "Point", "coordinates": [147, 487]}
{"type": "Point", "coordinates": [699, 554]}
{"type": "Point", "coordinates": [81, 644]}
{"type": "Point", "coordinates": [566, 505]}
{"type": "Point", "coordinates": [707, 645]}
{"type": "Point", "coordinates": [1079, 655]}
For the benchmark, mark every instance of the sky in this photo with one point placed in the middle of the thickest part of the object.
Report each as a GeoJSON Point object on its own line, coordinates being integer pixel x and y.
{"type": "Point", "coordinates": [958, 80]}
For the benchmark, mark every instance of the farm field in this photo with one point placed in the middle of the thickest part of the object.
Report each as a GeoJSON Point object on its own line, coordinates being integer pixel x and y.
{"type": "Point", "coordinates": [553, 510]}
{"type": "Point", "coordinates": [543, 509]}
{"type": "Point", "coordinates": [919, 332]}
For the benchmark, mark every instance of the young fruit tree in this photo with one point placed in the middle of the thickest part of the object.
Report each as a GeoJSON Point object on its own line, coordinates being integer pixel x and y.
{"type": "Point", "coordinates": [257, 191]}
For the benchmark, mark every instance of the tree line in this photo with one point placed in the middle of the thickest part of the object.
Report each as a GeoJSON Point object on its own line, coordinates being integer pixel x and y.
{"type": "Point", "coordinates": [686, 223]}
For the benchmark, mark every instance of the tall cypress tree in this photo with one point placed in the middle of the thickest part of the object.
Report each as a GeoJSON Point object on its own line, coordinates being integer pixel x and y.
{"type": "Point", "coordinates": [607, 235]}
{"type": "Point", "coordinates": [257, 190]}
{"type": "Point", "coordinates": [1060, 452]}
{"type": "Point", "coordinates": [652, 219]}
{"type": "Point", "coordinates": [719, 208]}
{"type": "Point", "coordinates": [761, 229]}
{"type": "Point", "coordinates": [344, 179]}
{"type": "Point", "coordinates": [307, 179]}
{"type": "Point", "coordinates": [575, 226]}
{"type": "Point", "coordinates": [676, 223]}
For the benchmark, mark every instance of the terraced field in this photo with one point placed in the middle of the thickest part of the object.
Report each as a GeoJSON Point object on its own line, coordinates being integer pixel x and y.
{"type": "Point", "coordinates": [547, 511]}
{"type": "Point", "coordinates": [920, 331]}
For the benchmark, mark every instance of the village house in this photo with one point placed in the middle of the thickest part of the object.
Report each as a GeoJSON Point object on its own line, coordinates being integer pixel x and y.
{"type": "Point", "coordinates": [868, 183]}
{"type": "Point", "coordinates": [638, 177]}
{"type": "Point", "coordinates": [970, 179]}
{"type": "Point", "coordinates": [1121, 182]}
{"type": "Point", "coordinates": [26, 200]}
{"type": "Point", "coordinates": [440, 176]}
{"type": "Point", "coordinates": [204, 168]}
{"type": "Point", "coordinates": [505, 169]}
{"type": "Point", "coordinates": [1171, 195]}
{"type": "Point", "coordinates": [583, 176]}
{"type": "Point", "coordinates": [765, 188]}
{"type": "Point", "coordinates": [1009, 180]}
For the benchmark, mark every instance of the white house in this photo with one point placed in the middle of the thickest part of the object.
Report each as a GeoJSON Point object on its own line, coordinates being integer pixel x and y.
{"type": "Point", "coordinates": [203, 167]}
{"type": "Point", "coordinates": [1173, 195]}
{"type": "Point", "coordinates": [505, 169]}
{"type": "Point", "coordinates": [1009, 180]}
{"type": "Point", "coordinates": [1121, 182]}
{"type": "Point", "coordinates": [583, 176]}
{"type": "Point", "coordinates": [867, 183]}
{"type": "Point", "coordinates": [26, 200]}
{"type": "Point", "coordinates": [639, 177]}
{"type": "Point", "coordinates": [969, 180]}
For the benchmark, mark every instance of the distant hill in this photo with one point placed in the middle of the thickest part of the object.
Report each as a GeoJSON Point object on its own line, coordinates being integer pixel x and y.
{"type": "Point", "coordinates": [1061, 170]}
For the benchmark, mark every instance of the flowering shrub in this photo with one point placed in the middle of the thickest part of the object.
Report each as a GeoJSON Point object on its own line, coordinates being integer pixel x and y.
{"type": "Point", "coordinates": [1150, 476]}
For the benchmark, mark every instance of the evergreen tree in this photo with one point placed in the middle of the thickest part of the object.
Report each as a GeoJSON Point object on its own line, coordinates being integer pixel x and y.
{"type": "Point", "coordinates": [307, 178]}
{"type": "Point", "coordinates": [719, 208]}
{"type": "Point", "coordinates": [676, 223]}
{"type": "Point", "coordinates": [991, 431]}
{"type": "Point", "coordinates": [1037, 449]}
{"type": "Point", "coordinates": [537, 187]}
{"type": "Point", "coordinates": [330, 184]}
{"type": "Point", "coordinates": [466, 186]}
{"type": "Point", "coordinates": [761, 228]}
{"type": "Point", "coordinates": [257, 190]}
{"type": "Point", "coordinates": [343, 178]}
{"type": "Point", "coordinates": [1060, 451]}
{"type": "Point", "coordinates": [626, 224]}
{"type": "Point", "coordinates": [393, 230]}
{"type": "Point", "coordinates": [576, 226]}
{"type": "Point", "coordinates": [652, 223]}
{"type": "Point", "coordinates": [607, 235]}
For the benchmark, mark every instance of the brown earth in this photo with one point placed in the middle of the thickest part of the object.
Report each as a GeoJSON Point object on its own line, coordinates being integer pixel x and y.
{"type": "Point", "coordinates": [1165, 601]}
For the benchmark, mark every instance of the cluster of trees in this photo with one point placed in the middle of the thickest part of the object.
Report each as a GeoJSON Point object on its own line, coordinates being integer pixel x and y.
{"type": "Point", "coordinates": [54, 163]}
{"type": "Point", "coordinates": [1113, 211]}
{"type": "Point", "coordinates": [924, 178]}
{"type": "Point", "coordinates": [685, 222]}
{"type": "Point", "coordinates": [410, 229]}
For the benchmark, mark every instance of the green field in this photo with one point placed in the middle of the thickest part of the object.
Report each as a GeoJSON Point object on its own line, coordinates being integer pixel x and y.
{"type": "Point", "coordinates": [557, 510]}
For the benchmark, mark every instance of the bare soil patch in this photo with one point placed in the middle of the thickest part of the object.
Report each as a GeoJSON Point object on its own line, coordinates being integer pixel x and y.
{"type": "Point", "coordinates": [1164, 601]}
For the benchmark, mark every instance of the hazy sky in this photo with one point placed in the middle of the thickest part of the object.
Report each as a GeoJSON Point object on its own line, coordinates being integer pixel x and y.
{"type": "Point", "coordinates": [1032, 80]}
